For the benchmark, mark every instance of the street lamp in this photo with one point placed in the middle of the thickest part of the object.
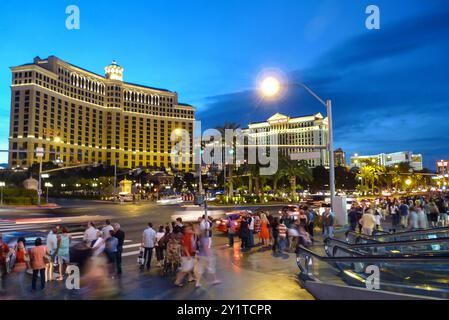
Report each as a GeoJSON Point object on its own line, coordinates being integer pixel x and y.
{"type": "Point", "coordinates": [271, 87]}
{"type": "Point", "coordinates": [2, 185]}
{"type": "Point", "coordinates": [47, 185]}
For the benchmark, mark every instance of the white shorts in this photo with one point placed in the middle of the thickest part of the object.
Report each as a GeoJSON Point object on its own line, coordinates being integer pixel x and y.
{"type": "Point", "coordinates": [187, 264]}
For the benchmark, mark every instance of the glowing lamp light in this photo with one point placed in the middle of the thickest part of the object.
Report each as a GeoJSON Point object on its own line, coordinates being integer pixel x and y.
{"type": "Point", "coordinates": [408, 182]}
{"type": "Point", "coordinates": [270, 86]}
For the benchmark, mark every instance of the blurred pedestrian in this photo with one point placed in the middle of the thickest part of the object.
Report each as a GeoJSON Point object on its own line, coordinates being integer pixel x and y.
{"type": "Point", "coordinates": [106, 229]}
{"type": "Point", "coordinates": [120, 235]}
{"type": "Point", "coordinates": [91, 234]}
{"type": "Point", "coordinates": [148, 243]}
{"type": "Point", "coordinates": [160, 246]}
{"type": "Point", "coordinates": [282, 235]}
{"type": "Point", "coordinates": [187, 257]}
{"type": "Point", "coordinates": [38, 258]}
{"type": "Point", "coordinates": [328, 224]}
{"type": "Point", "coordinates": [312, 215]}
{"type": "Point", "coordinates": [99, 245]}
{"type": "Point", "coordinates": [205, 260]}
{"type": "Point", "coordinates": [21, 264]}
{"type": "Point", "coordinates": [232, 229]}
{"type": "Point", "coordinates": [275, 234]}
{"type": "Point", "coordinates": [244, 234]}
{"type": "Point", "coordinates": [264, 234]}
{"type": "Point", "coordinates": [63, 252]}
{"type": "Point", "coordinates": [4, 250]}
{"type": "Point", "coordinates": [413, 219]}
{"type": "Point", "coordinates": [422, 218]}
{"type": "Point", "coordinates": [368, 222]}
{"type": "Point", "coordinates": [52, 245]}
{"type": "Point", "coordinates": [250, 221]}
{"type": "Point", "coordinates": [111, 253]}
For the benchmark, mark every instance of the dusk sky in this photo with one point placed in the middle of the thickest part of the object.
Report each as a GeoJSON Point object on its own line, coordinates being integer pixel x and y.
{"type": "Point", "coordinates": [390, 87]}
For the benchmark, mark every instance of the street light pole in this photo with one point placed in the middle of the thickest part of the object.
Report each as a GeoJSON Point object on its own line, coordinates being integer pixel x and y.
{"type": "Point", "coordinates": [2, 185]}
{"type": "Point", "coordinates": [271, 86]}
{"type": "Point", "coordinates": [39, 187]}
{"type": "Point", "coordinates": [330, 146]}
{"type": "Point", "coordinates": [331, 153]}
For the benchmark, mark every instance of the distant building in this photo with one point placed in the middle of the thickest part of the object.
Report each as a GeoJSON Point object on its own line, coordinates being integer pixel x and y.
{"type": "Point", "coordinates": [295, 136]}
{"type": "Point", "coordinates": [389, 159]}
{"type": "Point", "coordinates": [340, 157]}
{"type": "Point", "coordinates": [80, 117]}
{"type": "Point", "coordinates": [443, 167]}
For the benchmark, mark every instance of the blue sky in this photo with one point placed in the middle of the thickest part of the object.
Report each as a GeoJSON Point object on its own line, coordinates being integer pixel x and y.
{"type": "Point", "coordinates": [390, 87]}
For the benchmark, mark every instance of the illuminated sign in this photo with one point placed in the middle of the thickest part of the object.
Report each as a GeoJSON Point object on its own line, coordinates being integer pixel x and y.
{"type": "Point", "coordinates": [443, 163]}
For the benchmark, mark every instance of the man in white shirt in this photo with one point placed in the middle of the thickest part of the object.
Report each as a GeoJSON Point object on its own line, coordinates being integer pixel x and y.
{"type": "Point", "coordinates": [90, 235]}
{"type": "Point", "coordinates": [148, 242]}
{"type": "Point", "coordinates": [107, 230]}
{"type": "Point", "coordinates": [52, 244]}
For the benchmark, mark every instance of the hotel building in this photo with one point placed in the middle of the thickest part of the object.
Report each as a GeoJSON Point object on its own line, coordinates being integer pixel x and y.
{"type": "Point", "coordinates": [79, 117]}
{"type": "Point", "coordinates": [389, 159]}
{"type": "Point", "coordinates": [307, 135]}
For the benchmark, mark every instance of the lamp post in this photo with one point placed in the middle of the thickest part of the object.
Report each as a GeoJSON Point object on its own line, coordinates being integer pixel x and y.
{"type": "Point", "coordinates": [47, 185]}
{"type": "Point", "coordinates": [271, 87]}
{"type": "Point", "coordinates": [2, 185]}
{"type": "Point", "coordinates": [40, 155]}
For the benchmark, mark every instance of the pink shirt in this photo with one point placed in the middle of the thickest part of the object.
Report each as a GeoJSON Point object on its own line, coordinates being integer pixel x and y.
{"type": "Point", "coordinates": [37, 257]}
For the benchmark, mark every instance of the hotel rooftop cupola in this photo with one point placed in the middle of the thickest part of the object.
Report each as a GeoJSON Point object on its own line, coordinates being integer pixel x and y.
{"type": "Point", "coordinates": [114, 71]}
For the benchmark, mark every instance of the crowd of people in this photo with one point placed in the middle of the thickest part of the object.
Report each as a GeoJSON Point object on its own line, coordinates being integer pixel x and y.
{"type": "Point", "coordinates": [181, 249]}
{"type": "Point", "coordinates": [412, 213]}
{"type": "Point", "coordinates": [280, 233]}
{"type": "Point", "coordinates": [50, 258]}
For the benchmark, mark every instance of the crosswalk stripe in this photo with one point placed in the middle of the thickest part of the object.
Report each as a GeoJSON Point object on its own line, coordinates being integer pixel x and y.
{"type": "Point", "coordinates": [135, 245]}
{"type": "Point", "coordinates": [132, 253]}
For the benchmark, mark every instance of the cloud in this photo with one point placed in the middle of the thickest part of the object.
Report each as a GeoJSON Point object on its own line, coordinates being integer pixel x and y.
{"type": "Point", "coordinates": [389, 90]}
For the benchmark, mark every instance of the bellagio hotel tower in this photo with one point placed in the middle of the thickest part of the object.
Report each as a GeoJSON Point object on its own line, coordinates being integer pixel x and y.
{"type": "Point", "coordinates": [79, 117]}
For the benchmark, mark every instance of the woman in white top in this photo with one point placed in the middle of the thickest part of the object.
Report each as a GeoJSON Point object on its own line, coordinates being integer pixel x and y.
{"type": "Point", "coordinates": [99, 245]}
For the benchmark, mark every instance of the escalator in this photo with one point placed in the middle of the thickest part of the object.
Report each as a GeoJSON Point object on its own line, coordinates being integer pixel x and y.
{"type": "Point", "coordinates": [381, 236]}
{"type": "Point", "coordinates": [391, 248]}
{"type": "Point", "coordinates": [415, 265]}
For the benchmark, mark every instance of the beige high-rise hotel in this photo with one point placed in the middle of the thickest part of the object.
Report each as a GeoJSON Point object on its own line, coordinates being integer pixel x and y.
{"type": "Point", "coordinates": [80, 117]}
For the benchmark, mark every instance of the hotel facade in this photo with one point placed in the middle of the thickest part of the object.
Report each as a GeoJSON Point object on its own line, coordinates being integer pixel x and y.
{"type": "Point", "coordinates": [390, 159]}
{"type": "Point", "coordinates": [79, 117]}
{"type": "Point", "coordinates": [306, 135]}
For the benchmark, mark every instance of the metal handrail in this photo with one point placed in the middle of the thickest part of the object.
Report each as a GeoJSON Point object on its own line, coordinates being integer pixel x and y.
{"type": "Point", "coordinates": [397, 234]}
{"type": "Point", "coordinates": [341, 243]}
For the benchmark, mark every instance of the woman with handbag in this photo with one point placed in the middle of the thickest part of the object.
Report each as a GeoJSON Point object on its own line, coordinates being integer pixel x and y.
{"type": "Point", "coordinates": [39, 257]}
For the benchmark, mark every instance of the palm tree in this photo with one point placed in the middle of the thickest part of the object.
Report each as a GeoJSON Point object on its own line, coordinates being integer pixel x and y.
{"type": "Point", "coordinates": [294, 170]}
{"type": "Point", "coordinates": [222, 129]}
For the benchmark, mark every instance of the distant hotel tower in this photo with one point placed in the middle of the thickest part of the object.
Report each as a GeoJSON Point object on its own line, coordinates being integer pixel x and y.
{"type": "Point", "coordinates": [80, 117]}
{"type": "Point", "coordinates": [299, 135]}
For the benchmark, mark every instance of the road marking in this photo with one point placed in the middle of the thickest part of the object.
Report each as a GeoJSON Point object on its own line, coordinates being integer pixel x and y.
{"type": "Point", "coordinates": [133, 253]}
{"type": "Point", "coordinates": [135, 245]}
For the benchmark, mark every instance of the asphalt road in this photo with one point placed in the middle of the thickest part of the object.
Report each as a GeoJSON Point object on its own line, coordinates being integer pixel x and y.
{"type": "Point", "coordinates": [251, 275]}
